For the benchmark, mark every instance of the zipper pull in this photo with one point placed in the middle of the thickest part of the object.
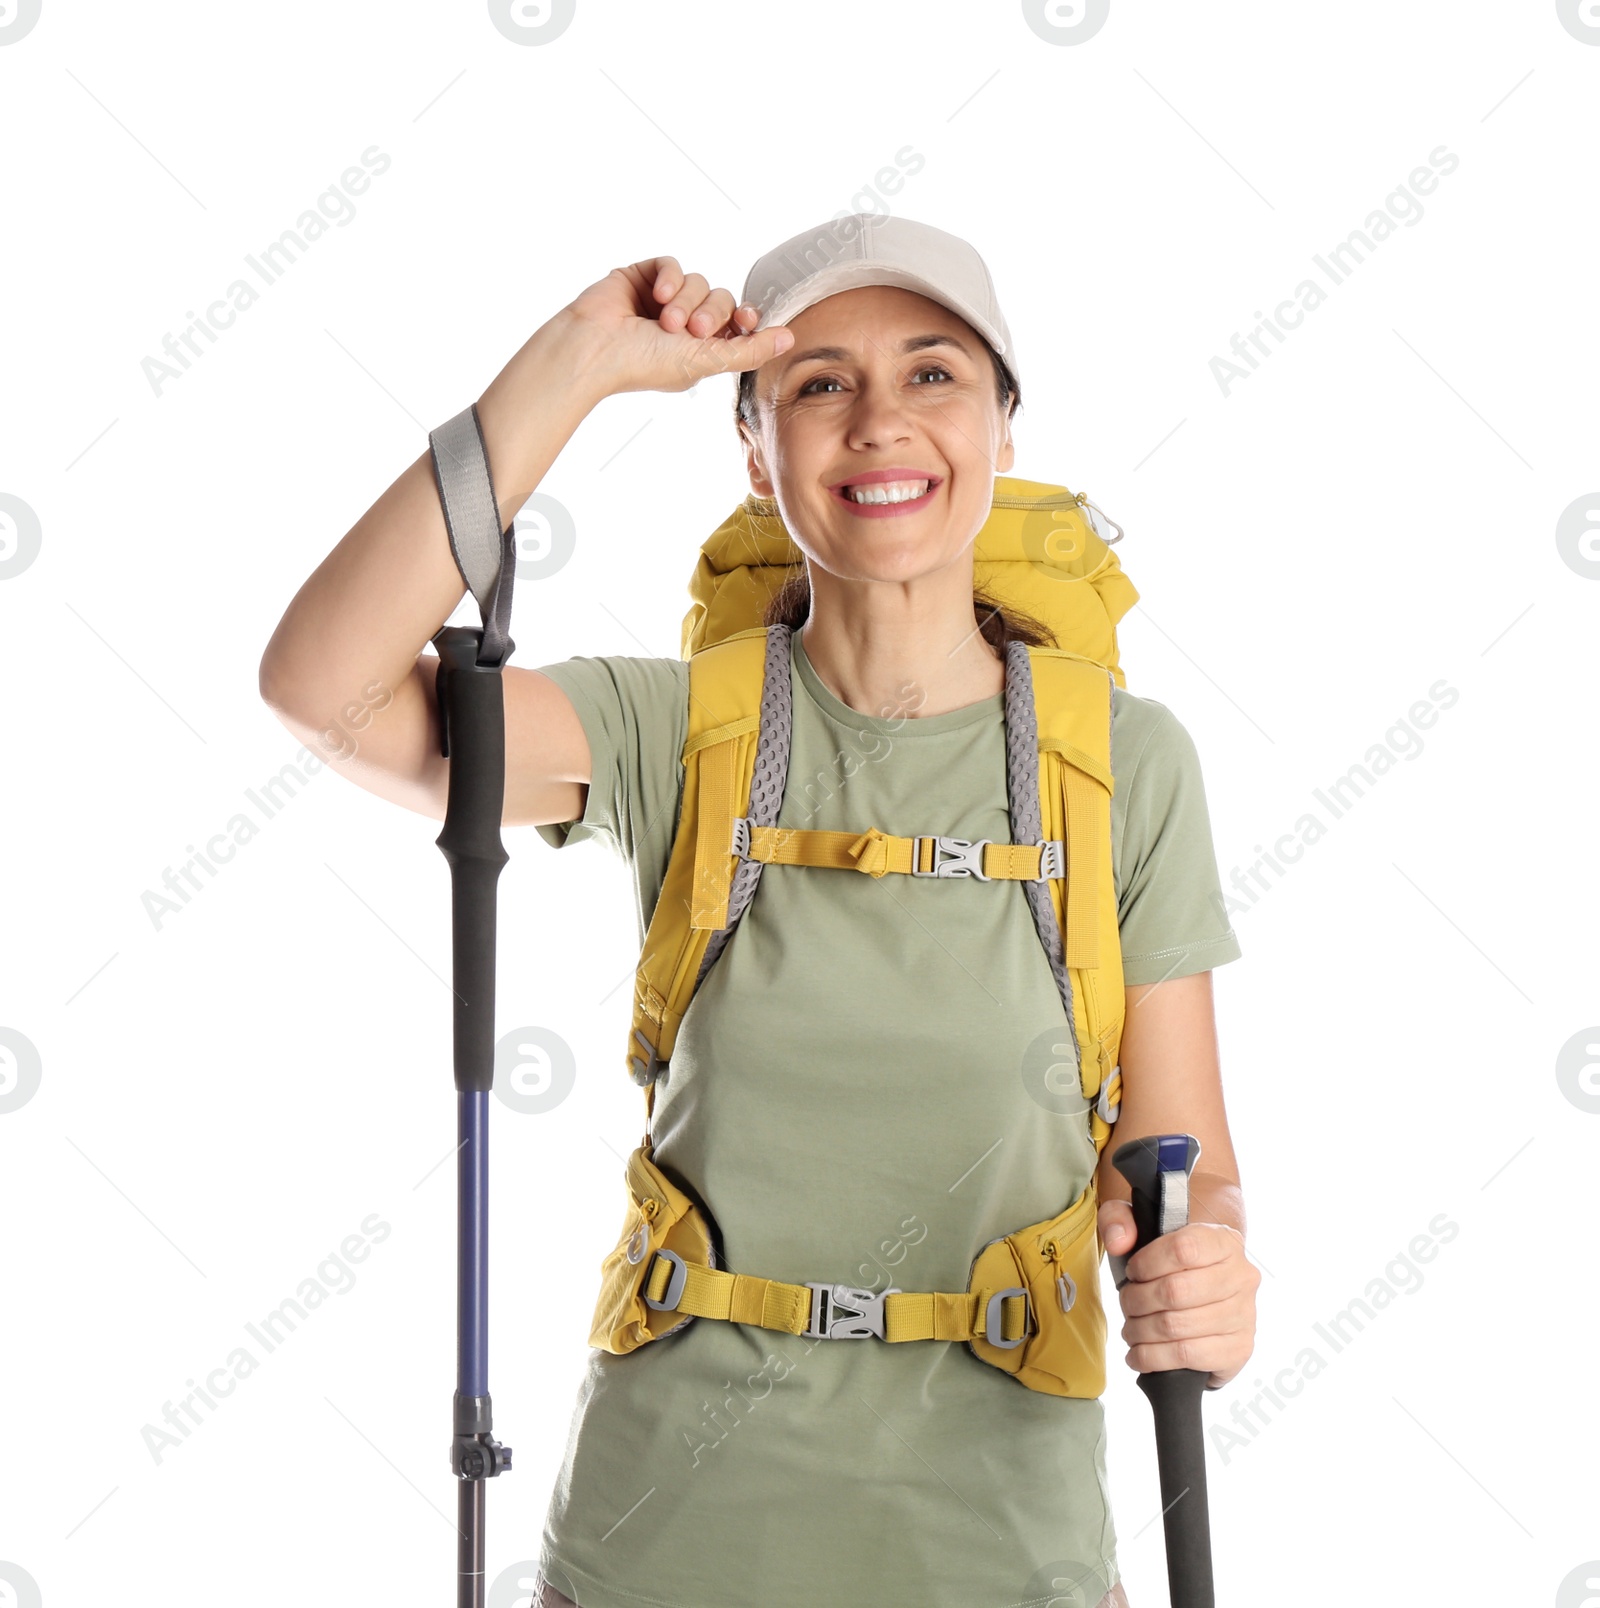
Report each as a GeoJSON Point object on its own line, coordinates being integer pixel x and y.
{"type": "Point", "coordinates": [1066, 1285]}
{"type": "Point", "coordinates": [1098, 519]}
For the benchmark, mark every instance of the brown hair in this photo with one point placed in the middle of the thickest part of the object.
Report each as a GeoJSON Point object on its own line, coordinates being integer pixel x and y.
{"type": "Point", "coordinates": [791, 604]}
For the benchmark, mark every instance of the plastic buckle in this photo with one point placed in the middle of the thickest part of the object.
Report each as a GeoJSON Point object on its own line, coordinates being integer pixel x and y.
{"type": "Point", "coordinates": [1052, 860]}
{"type": "Point", "coordinates": [991, 1318]}
{"type": "Point", "coordinates": [966, 857]}
{"type": "Point", "coordinates": [675, 1284]}
{"type": "Point", "coordinates": [741, 836]}
{"type": "Point", "coordinates": [862, 1319]}
{"type": "Point", "coordinates": [1108, 1111]}
{"type": "Point", "coordinates": [645, 1069]}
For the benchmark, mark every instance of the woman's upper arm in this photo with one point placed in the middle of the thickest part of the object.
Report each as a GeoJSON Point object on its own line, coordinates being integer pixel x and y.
{"type": "Point", "coordinates": [1174, 930]}
{"type": "Point", "coordinates": [1172, 915]}
{"type": "Point", "coordinates": [548, 763]}
{"type": "Point", "coordinates": [1171, 1073]}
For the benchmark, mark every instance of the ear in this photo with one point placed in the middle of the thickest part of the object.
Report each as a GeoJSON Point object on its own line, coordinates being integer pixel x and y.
{"type": "Point", "coordinates": [1007, 455]}
{"type": "Point", "coordinates": [760, 481]}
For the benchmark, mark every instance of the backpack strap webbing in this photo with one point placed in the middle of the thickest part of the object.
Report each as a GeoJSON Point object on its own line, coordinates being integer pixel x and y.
{"type": "Point", "coordinates": [708, 1292]}
{"type": "Point", "coordinates": [728, 684]}
{"type": "Point", "coordinates": [1072, 705]}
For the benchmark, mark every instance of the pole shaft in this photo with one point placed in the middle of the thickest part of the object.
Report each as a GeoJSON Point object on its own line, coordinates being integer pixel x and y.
{"type": "Point", "coordinates": [472, 1243]}
{"type": "Point", "coordinates": [470, 1587]}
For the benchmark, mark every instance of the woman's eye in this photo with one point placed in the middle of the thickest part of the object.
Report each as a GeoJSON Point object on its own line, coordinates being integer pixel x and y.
{"type": "Point", "coordinates": [829, 379]}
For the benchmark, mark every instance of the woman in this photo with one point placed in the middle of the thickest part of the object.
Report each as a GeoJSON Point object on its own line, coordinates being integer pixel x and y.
{"type": "Point", "coordinates": [844, 1092]}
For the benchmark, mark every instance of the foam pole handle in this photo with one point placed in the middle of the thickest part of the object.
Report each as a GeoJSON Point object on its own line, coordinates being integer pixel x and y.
{"type": "Point", "coordinates": [472, 719]}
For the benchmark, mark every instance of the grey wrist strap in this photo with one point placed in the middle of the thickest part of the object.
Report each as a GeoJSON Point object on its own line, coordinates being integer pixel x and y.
{"type": "Point", "coordinates": [486, 556]}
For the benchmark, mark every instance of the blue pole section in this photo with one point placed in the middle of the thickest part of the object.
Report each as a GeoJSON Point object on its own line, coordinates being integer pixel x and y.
{"type": "Point", "coordinates": [472, 1248]}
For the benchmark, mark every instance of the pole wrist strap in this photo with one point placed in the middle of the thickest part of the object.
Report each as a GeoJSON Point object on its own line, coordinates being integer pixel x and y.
{"type": "Point", "coordinates": [485, 555]}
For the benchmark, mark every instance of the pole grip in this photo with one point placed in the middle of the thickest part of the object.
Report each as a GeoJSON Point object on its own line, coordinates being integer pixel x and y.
{"type": "Point", "coordinates": [1157, 1169]}
{"type": "Point", "coordinates": [471, 699]}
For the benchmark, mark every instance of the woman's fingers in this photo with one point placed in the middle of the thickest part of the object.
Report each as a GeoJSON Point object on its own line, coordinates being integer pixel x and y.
{"type": "Point", "coordinates": [1217, 1339]}
{"type": "Point", "coordinates": [1200, 1315]}
{"type": "Point", "coordinates": [1194, 1305]}
{"type": "Point", "coordinates": [1190, 1286]}
{"type": "Point", "coordinates": [687, 302]}
{"type": "Point", "coordinates": [740, 352]}
{"type": "Point", "coordinates": [711, 314]}
{"type": "Point", "coordinates": [670, 329]}
{"type": "Point", "coordinates": [665, 276]}
{"type": "Point", "coordinates": [683, 302]}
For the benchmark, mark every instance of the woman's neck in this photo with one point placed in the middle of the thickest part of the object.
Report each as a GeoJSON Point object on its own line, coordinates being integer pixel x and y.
{"type": "Point", "coordinates": [903, 668]}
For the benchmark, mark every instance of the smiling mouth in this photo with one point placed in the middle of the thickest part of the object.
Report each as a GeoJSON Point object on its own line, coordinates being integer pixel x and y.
{"type": "Point", "coordinates": [887, 497]}
{"type": "Point", "coordinates": [887, 491]}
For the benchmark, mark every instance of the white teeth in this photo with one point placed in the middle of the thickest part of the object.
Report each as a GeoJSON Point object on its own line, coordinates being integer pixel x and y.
{"type": "Point", "coordinates": [887, 491]}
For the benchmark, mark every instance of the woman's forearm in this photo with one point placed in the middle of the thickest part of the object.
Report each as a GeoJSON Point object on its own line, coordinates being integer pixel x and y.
{"type": "Point", "coordinates": [1213, 1199]}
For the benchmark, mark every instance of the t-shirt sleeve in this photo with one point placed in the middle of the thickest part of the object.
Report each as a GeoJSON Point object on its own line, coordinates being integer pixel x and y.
{"type": "Point", "coordinates": [1170, 908]}
{"type": "Point", "coordinates": [634, 712]}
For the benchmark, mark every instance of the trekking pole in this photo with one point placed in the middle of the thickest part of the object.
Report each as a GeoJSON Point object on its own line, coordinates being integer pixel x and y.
{"type": "Point", "coordinates": [471, 698]}
{"type": "Point", "coordinates": [1157, 1169]}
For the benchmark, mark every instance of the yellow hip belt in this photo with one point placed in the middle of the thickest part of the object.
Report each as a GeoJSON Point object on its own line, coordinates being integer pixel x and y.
{"type": "Point", "coordinates": [1031, 1308]}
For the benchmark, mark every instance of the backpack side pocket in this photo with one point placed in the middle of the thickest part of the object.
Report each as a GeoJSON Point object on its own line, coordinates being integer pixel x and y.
{"type": "Point", "coordinates": [659, 1216]}
{"type": "Point", "coordinates": [1057, 1262]}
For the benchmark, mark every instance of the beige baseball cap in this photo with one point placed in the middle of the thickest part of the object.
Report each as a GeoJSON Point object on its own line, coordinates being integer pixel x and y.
{"type": "Point", "coordinates": [871, 248]}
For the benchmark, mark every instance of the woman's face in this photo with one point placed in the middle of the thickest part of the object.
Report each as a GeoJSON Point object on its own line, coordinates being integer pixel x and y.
{"type": "Point", "coordinates": [880, 378]}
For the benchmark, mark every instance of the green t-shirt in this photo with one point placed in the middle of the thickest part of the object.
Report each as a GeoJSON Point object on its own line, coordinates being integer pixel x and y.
{"type": "Point", "coordinates": [848, 1097]}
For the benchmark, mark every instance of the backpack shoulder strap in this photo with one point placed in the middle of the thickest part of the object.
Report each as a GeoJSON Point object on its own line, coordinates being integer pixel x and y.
{"type": "Point", "coordinates": [1072, 708]}
{"type": "Point", "coordinates": [729, 682]}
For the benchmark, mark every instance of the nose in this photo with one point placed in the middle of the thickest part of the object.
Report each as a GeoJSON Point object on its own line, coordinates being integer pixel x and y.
{"type": "Point", "coordinates": [877, 417]}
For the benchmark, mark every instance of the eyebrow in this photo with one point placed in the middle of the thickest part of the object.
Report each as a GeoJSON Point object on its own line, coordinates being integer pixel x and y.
{"type": "Point", "coordinates": [913, 343]}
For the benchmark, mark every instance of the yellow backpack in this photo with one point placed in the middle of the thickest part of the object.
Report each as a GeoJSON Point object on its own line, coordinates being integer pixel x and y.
{"type": "Point", "coordinates": [1032, 1307]}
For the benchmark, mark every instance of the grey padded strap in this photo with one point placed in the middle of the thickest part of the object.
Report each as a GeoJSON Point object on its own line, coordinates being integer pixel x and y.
{"type": "Point", "coordinates": [486, 558]}
{"type": "Point", "coordinates": [766, 785]}
{"type": "Point", "coordinates": [1022, 782]}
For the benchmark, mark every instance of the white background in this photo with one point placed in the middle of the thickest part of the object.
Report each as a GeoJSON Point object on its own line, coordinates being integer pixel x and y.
{"type": "Point", "coordinates": [224, 1098]}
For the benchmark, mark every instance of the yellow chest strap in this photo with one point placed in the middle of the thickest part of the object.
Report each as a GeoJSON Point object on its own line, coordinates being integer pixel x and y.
{"type": "Point", "coordinates": [876, 853]}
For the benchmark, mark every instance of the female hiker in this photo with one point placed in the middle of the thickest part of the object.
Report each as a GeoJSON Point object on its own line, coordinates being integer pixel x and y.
{"type": "Point", "coordinates": [855, 1092]}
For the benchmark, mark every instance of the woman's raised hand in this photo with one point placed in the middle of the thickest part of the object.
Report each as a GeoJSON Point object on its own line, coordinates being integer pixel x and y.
{"type": "Point", "coordinates": [654, 328]}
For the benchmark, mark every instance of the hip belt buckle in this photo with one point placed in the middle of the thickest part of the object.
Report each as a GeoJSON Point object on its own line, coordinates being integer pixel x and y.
{"type": "Point", "coordinates": [861, 1319]}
